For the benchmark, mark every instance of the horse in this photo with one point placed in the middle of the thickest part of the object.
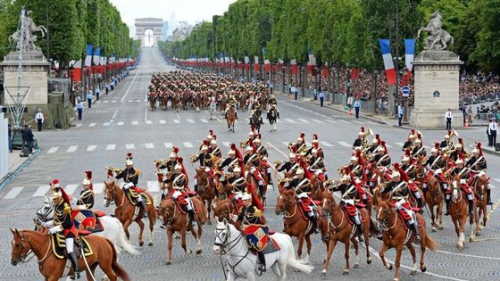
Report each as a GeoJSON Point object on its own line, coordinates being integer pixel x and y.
{"type": "Point", "coordinates": [163, 99]}
{"type": "Point", "coordinates": [206, 189]}
{"type": "Point", "coordinates": [255, 120]}
{"type": "Point", "coordinates": [258, 191]}
{"type": "Point", "coordinates": [272, 116]}
{"type": "Point", "coordinates": [241, 262]}
{"type": "Point", "coordinates": [396, 235]}
{"type": "Point", "coordinates": [176, 102]}
{"type": "Point", "coordinates": [113, 228]}
{"type": "Point", "coordinates": [434, 197]}
{"type": "Point", "coordinates": [459, 209]}
{"type": "Point", "coordinates": [295, 223]}
{"type": "Point", "coordinates": [152, 98]}
{"type": "Point", "coordinates": [231, 118]}
{"type": "Point", "coordinates": [127, 213]}
{"type": "Point", "coordinates": [340, 229]}
{"type": "Point", "coordinates": [481, 202]}
{"type": "Point", "coordinates": [211, 109]}
{"type": "Point", "coordinates": [52, 268]}
{"type": "Point", "coordinates": [175, 221]}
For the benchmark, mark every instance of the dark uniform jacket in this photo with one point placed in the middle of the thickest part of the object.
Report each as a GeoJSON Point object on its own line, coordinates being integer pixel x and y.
{"type": "Point", "coordinates": [250, 215]}
{"type": "Point", "coordinates": [418, 151]}
{"type": "Point", "coordinates": [455, 155]}
{"type": "Point", "coordinates": [300, 185]}
{"type": "Point", "coordinates": [408, 145]}
{"type": "Point", "coordinates": [262, 151]}
{"type": "Point", "coordinates": [433, 163]}
{"type": "Point", "coordinates": [401, 187]}
{"type": "Point", "coordinates": [316, 163]}
{"type": "Point", "coordinates": [239, 184]}
{"type": "Point", "coordinates": [169, 165]}
{"type": "Point", "coordinates": [86, 198]}
{"type": "Point", "coordinates": [462, 172]}
{"type": "Point", "coordinates": [62, 217]}
{"type": "Point", "coordinates": [177, 180]}
{"type": "Point", "coordinates": [227, 162]}
{"type": "Point", "coordinates": [129, 176]}
{"type": "Point", "coordinates": [288, 166]}
{"type": "Point", "coordinates": [476, 165]}
{"type": "Point", "coordinates": [357, 142]}
{"type": "Point", "coordinates": [215, 152]}
{"type": "Point", "coordinates": [253, 158]}
{"type": "Point", "coordinates": [384, 160]}
{"type": "Point", "coordinates": [343, 188]}
{"type": "Point", "coordinates": [410, 170]}
{"type": "Point", "coordinates": [205, 159]}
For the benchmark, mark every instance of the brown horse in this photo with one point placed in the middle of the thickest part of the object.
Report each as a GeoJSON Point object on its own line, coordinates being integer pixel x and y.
{"type": "Point", "coordinates": [152, 98]}
{"type": "Point", "coordinates": [206, 189]}
{"type": "Point", "coordinates": [340, 229]}
{"type": "Point", "coordinates": [295, 224]}
{"type": "Point", "coordinates": [396, 235]}
{"type": "Point", "coordinates": [480, 187]}
{"type": "Point", "coordinates": [52, 268]}
{"type": "Point", "coordinates": [231, 118]}
{"type": "Point", "coordinates": [223, 209]}
{"type": "Point", "coordinates": [163, 99]}
{"type": "Point", "coordinates": [434, 198]}
{"type": "Point", "coordinates": [259, 192]}
{"type": "Point", "coordinates": [127, 213]}
{"type": "Point", "coordinates": [176, 221]}
{"type": "Point", "coordinates": [197, 102]}
{"type": "Point", "coordinates": [459, 210]}
{"type": "Point", "coordinates": [176, 102]}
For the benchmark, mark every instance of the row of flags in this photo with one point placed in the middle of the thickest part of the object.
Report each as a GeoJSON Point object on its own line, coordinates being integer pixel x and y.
{"type": "Point", "coordinates": [390, 70]}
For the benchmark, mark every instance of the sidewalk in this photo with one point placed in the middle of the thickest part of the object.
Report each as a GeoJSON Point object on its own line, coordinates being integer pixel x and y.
{"type": "Point", "coordinates": [379, 118]}
{"type": "Point", "coordinates": [16, 165]}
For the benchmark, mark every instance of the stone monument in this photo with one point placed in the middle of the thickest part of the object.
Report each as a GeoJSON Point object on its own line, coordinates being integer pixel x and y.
{"type": "Point", "coordinates": [436, 77]}
{"type": "Point", "coordinates": [26, 68]}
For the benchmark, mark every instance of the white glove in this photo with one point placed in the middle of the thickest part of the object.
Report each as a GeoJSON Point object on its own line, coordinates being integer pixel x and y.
{"type": "Point", "coordinates": [54, 230]}
{"type": "Point", "coordinates": [252, 170]}
{"type": "Point", "coordinates": [233, 217]}
{"type": "Point", "coordinates": [45, 225]}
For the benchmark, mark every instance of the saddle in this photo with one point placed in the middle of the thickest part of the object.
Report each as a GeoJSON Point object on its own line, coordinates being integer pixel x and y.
{"type": "Point", "coordinates": [133, 194]}
{"type": "Point", "coordinates": [404, 217]}
{"type": "Point", "coordinates": [350, 212]}
{"type": "Point", "coordinates": [183, 208]}
{"type": "Point", "coordinates": [59, 246]}
{"type": "Point", "coordinates": [88, 220]}
{"type": "Point", "coordinates": [257, 237]}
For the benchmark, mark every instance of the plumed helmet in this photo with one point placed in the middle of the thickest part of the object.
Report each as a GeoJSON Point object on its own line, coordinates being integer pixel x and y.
{"type": "Point", "coordinates": [395, 174]}
{"type": "Point", "coordinates": [418, 141]}
{"type": "Point", "coordinates": [314, 150]}
{"type": "Point", "coordinates": [300, 171]}
{"type": "Point", "coordinates": [129, 162]}
{"type": "Point", "coordinates": [345, 178]}
{"type": "Point", "coordinates": [248, 149]}
{"type": "Point", "coordinates": [237, 169]}
{"type": "Point", "coordinates": [231, 152]}
{"type": "Point", "coordinates": [85, 181]}
{"type": "Point", "coordinates": [178, 167]}
{"type": "Point", "coordinates": [459, 161]}
{"type": "Point", "coordinates": [246, 196]}
{"type": "Point", "coordinates": [291, 155]}
{"type": "Point", "coordinates": [354, 158]}
{"type": "Point", "coordinates": [257, 140]}
{"type": "Point", "coordinates": [213, 142]}
{"type": "Point", "coordinates": [405, 158]}
{"type": "Point", "coordinates": [204, 147]}
{"type": "Point", "coordinates": [172, 155]}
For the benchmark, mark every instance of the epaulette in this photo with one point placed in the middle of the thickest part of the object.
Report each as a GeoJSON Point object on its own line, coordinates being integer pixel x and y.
{"type": "Point", "coordinates": [257, 212]}
{"type": "Point", "coordinates": [67, 209]}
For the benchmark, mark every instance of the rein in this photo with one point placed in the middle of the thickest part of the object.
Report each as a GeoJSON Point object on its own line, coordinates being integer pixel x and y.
{"type": "Point", "coordinates": [32, 250]}
{"type": "Point", "coordinates": [225, 244]}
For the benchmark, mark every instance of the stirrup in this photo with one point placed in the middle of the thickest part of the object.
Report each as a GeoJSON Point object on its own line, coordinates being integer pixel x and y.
{"type": "Point", "coordinates": [76, 275]}
{"type": "Point", "coordinates": [417, 238]}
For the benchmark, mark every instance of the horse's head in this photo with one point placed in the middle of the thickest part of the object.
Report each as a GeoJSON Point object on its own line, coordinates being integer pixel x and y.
{"type": "Point", "coordinates": [21, 246]}
{"type": "Point", "coordinates": [222, 236]}
{"type": "Point", "coordinates": [110, 191]}
{"type": "Point", "coordinates": [286, 201]}
{"type": "Point", "coordinates": [44, 213]}
{"type": "Point", "coordinates": [166, 211]}
{"type": "Point", "coordinates": [222, 209]}
{"type": "Point", "coordinates": [328, 203]}
{"type": "Point", "coordinates": [384, 212]}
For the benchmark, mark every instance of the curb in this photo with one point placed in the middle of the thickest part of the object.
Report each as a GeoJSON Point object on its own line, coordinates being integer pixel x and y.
{"type": "Point", "coordinates": [9, 176]}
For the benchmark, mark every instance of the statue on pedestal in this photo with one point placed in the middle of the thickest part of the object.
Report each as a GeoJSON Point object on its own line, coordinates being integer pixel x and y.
{"type": "Point", "coordinates": [438, 37]}
{"type": "Point", "coordinates": [28, 27]}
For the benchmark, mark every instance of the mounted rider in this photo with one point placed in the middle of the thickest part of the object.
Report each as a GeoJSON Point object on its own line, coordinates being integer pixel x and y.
{"type": "Point", "coordinates": [302, 186]}
{"type": "Point", "coordinates": [408, 166]}
{"type": "Point", "coordinates": [63, 223]}
{"type": "Point", "coordinates": [356, 165]}
{"type": "Point", "coordinates": [86, 200]}
{"type": "Point", "coordinates": [205, 160]}
{"type": "Point", "coordinates": [179, 182]}
{"type": "Point", "coordinates": [234, 159]}
{"type": "Point", "coordinates": [399, 190]}
{"type": "Point", "coordinates": [436, 165]}
{"type": "Point", "coordinates": [410, 142]}
{"type": "Point", "coordinates": [214, 150]}
{"type": "Point", "coordinates": [299, 145]}
{"type": "Point", "coordinates": [418, 149]}
{"type": "Point", "coordinates": [382, 158]}
{"type": "Point", "coordinates": [289, 166]}
{"type": "Point", "coordinates": [262, 151]}
{"type": "Point", "coordinates": [362, 140]}
{"type": "Point", "coordinates": [315, 145]}
{"type": "Point", "coordinates": [463, 173]}
{"type": "Point", "coordinates": [130, 178]}
{"type": "Point", "coordinates": [459, 152]}
{"type": "Point", "coordinates": [447, 144]}
{"type": "Point", "coordinates": [252, 160]}
{"type": "Point", "coordinates": [317, 166]}
{"type": "Point", "coordinates": [477, 164]}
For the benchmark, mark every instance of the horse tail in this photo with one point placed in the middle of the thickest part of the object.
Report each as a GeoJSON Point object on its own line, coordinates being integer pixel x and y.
{"type": "Point", "coordinates": [293, 262]}
{"type": "Point", "coordinates": [430, 243]}
{"type": "Point", "coordinates": [122, 241]}
{"type": "Point", "coordinates": [117, 269]}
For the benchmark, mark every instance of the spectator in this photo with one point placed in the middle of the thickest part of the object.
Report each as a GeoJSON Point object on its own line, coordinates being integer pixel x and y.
{"type": "Point", "coordinates": [464, 113]}
{"type": "Point", "coordinates": [400, 114]}
{"type": "Point", "coordinates": [448, 118]}
{"type": "Point", "coordinates": [492, 133]}
{"type": "Point", "coordinates": [357, 107]}
{"type": "Point", "coordinates": [469, 115]}
{"type": "Point", "coordinates": [79, 109]}
{"type": "Point", "coordinates": [39, 119]}
{"type": "Point", "coordinates": [97, 92]}
{"type": "Point", "coordinates": [89, 97]}
{"type": "Point", "coordinates": [321, 98]}
{"type": "Point", "coordinates": [107, 87]}
{"type": "Point", "coordinates": [28, 137]}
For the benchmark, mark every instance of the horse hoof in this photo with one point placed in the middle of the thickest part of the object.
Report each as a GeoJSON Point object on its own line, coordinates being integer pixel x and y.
{"type": "Point", "coordinates": [198, 252]}
{"type": "Point", "coordinates": [356, 266]}
{"type": "Point", "coordinates": [389, 266]}
{"type": "Point", "coordinates": [150, 244]}
{"type": "Point", "coordinates": [433, 229]}
{"type": "Point", "coordinates": [440, 227]}
{"type": "Point", "coordinates": [413, 272]}
{"type": "Point", "coordinates": [346, 272]}
{"type": "Point", "coordinates": [369, 261]}
{"type": "Point", "coordinates": [424, 268]}
{"type": "Point", "coordinates": [323, 273]}
{"type": "Point", "coordinates": [168, 263]}
{"type": "Point", "coordinates": [141, 243]}
{"type": "Point", "coordinates": [189, 251]}
{"type": "Point", "coordinates": [471, 239]}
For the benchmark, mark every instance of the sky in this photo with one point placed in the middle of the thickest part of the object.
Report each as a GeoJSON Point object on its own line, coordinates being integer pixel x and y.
{"type": "Point", "coordinates": [185, 10]}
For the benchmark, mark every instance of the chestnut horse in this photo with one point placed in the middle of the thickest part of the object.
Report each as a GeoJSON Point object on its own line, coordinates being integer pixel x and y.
{"type": "Point", "coordinates": [176, 221]}
{"type": "Point", "coordinates": [459, 210]}
{"type": "Point", "coordinates": [480, 187]}
{"type": "Point", "coordinates": [231, 118]}
{"type": "Point", "coordinates": [127, 213]}
{"type": "Point", "coordinates": [104, 255]}
{"type": "Point", "coordinates": [206, 189]}
{"type": "Point", "coordinates": [295, 224]}
{"type": "Point", "coordinates": [396, 235]}
{"type": "Point", "coordinates": [340, 229]}
{"type": "Point", "coordinates": [434, 198]}
{"type": "Point", "coordinates": [223, 209]}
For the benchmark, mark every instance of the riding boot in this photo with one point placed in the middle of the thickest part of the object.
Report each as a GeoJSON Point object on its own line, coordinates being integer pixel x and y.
{"type": "Point", "coordinates": [413, 227]}
{"type": "Point", "coordinates": [488, 196]}
{"type": "Point", "coordinates": [269, 179]}
{"type": "Point", "coordinates": [365, 201]}
{"type": "Point", "coordinates": [225, 115]}
{"type": "Point", "coordinates": [191, 218]}
{"type": "Point", "coordinates": [314, 223]}
{"type": "Point", "coordinates": [420, 203]}
{"type": "Point", "coordinates": [360, 233]}
{"type": "Point", "coordinates": [471, 207]}
{"type": "Point", "coordinates": [196, 188]}
{"type": "Point", "coordinates": [143, 208]}
{"type": "Point", "coordinates": [74, 265]}
{"type": "Point", "coordinates": [447, 212]}
{"type": "Point", "coordinates": [262, 261]}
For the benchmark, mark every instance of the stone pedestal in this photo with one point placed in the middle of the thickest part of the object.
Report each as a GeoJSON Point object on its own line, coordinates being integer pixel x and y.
{"type": "Point", "coordinates": [34, 76]}
{"type": "Point", "coordinates": [437, 77]}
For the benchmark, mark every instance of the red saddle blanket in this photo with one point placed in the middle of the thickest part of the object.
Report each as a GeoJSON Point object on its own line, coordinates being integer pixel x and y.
{"type": "Point", "coordinates": [183, 208]}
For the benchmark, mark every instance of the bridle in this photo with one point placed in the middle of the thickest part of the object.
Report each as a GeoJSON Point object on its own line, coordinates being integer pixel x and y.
{"type": "Point", "coordinates": [383, 221]}
{"type": "Point", "coordinates": [22, 257]}
{"type": "Point", "coordinates": [226, 246]}
{"type": "Point", "coordinates": [112, 199]}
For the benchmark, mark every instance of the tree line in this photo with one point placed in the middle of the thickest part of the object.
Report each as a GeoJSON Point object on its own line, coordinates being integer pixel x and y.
{"type": "Point", "coordinates": [71, 25]}
{"type": "Point", "coordinates": [342, 32]}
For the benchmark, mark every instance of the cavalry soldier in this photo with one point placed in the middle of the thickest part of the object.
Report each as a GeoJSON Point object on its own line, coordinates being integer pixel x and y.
{"type": "Point", "coordinates": [251, 215]}
{"type": "Point", "coordinates": [172, 161]}
{"type": "Point", "coordinates": [463, 173]}
{"type": "Point", "coordinates": [252, 160]}
{"type": "Point", "coordinates": [207, 141]}
{"type": "Point", "coordinates": [436, 164]}
{"type": "Point", "coordinates": [261, 150]}
{"type": "Point", "coordinates": [317, 166]}
{"type": "Point", "coordinates": [408, 167]}
{"type": "Point", "coordinates": [231, 104]}
{"type": "Point", "coordinates": [399, 190]}
{"type": "Point", "coordinates": [418, 149]}
{"type": "Point", "coordinates": [356, 165]}
{"type": "Point", "coordinates": [86, 200]}
{"type": "Point", "coordinates": [411, 184]}
{"type": "Point", "coordinates": [63, 223]}
{"type": "Point", "coordinates": [231, 161]}
{"type": "Point", "coordinates": [291, 165]}
{"type": "Point", "coordinates": [382, 157]}
{"type": "Point", "coordinates": [357, 182]}
{"type": "Point", "coordinates": [238, 185]}
{"type": "Point", "coordinates": [478, 167]}
{"type": "Point", "coordinates": [447, 144]}
{"type": "Point", "coordinates": [272, 101]}
{"type": "Point", "coordinates": [214, 150]}
{"type": "Point", "coordinates": [358, 142]}
{"type": "Point", "coordinates": [409, 144]}
{"type": "Point", "coordinates": [130, 178]}
{"type": "Point", "coordinates": [179, 181]}
{"type": "Point", "coordinates": [380, 176]}
{"type": "Point", "coordinates": [349, 196]}
{"type": "Point", "coordinates": [205, 162]}
{"type": "Point", "coordinates": [459, 152]}
{"type": "Point", "coordinates": [315, 145]}
{"type": "Point", "coordinates": [370, 150]}
{"type": "Point", "coordinates": [303, 189]}
{"type": "Point", "coordinates": [300, 144]}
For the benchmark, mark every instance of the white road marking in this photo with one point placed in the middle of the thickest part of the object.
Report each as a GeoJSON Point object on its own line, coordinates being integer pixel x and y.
{"type": "Point", "coordinates": [91, 147]}
{"type": "Point", "coordinates": [279, 151]}
{"type": "Point", "coordinates": [331, 121]}
{"type": "Point", "coordinates": [399, 143]}
{"type": "Point", "coordinates": [149, 122]}
{"type": "Point", "coordinates": [70, 188]}
{"type": "Point", "coordinates": [169, 145]}
{"type": "Point", "coordinates": [358, 122]}
{"type": "Point", "coordinates": [130, 146]}
{"type": "Point", "coordinates": [153, 186]}
{"type": "Point", "coordinates": [345, 144]}
{"type": "Point", "coordinates": [344, 121]}
{"type": "Point", "coordinates": [324, 143]}
{"type": "Point", "coordinates": [135, 123]}
{"type": "Point", "coordinates": [204, 120]}
{"type": "Point", "coordinates": [371, 122]}
{"type": "Point", "coordinates": [92, 124]}
{"type": "Point", "coordinates": [317, 121]}
{"type": "Point", "coordinates": [113, 101]}
{"type": "Point", "coordinates": [226, 144]}
{"type": "Point", "coordinates": [120, 123]}
{"type": "Point", "coordinates": [110, 147]}
{"type": "Point", "coordinates": [388, 145]}
{"type": "Point", "coordinates": [470, 256]}
{"type": "Point", "coordinates": [98, 187]}
{"type": "Point", "coordinates": [106, 124]}
{"type": "Point", "coordinates": [303, 121]}
{"type": "Point", "coordinates": [53, 149]}
{"type": "Point", "coordinates": [285, 143]}
{"type": "Point", "coordinates": [72, 148]}
{"type": "Point", "coordinates": [42, 189]}
{"type": "Point", "coordinates": [150, 145]}
{"type": "Point", "coordinates": [79, 125]}
{"type": "Point", "coordinates": [187, 145]}
{"type": "Point", "coordinates": [14, 192]}
{"type": "Point", "coordinates": [177, 121]}
{"type": "Point", "coordinates": [191, 121]}
{"type": "Point", "coordinates": [129, 87]}
{"type": "Point", "coordinates": [163, 121]}
{"type": "Point", "coordinates": [290, 121]}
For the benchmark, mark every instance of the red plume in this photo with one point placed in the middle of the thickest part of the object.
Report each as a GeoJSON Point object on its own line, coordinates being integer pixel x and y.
{"type": "Point", "coordinates": [89, 174]}
{"type": "Point", "coordinates": [362, 129]}
{"type": "Point", "coordinates": [419, 136]}
{"type": "Point", "coordinates": [449, 132]}
{"type": "Point", "coordinates": [404, 176]}
{"type": "Point", "coordinates": [175, 149]}
{"type": "Point", "coordinates": [129, 156]}
{"type": "Point", "coordinates": [460, 141]}
{"type": "Point", "coordinates": [478, 145]}
{"type": "Point", "coordinates": [436, 145]}
{"type": "Point", "coordinates": [302, 135]}
{"type": "Point", "coordinates": [180, 160]}
{"type": "Point", "coordinates": [251, 144]}
{"type": "Point", "coordinates": [385, 147]}
{"type": "Point", "coordinates": [65, 196]}
{"type": "Point", "coordinates": [236, 152]}
{"type": "Point", "coordinates": [377, 136]}
{"type": "Point", "coordinates": [205, 142]}
{"type": "Point", "coordinates": [412, 131]}
{"type": "Point", "coordinates": [211, 132]}
{"type": "Point", "coordinates": [361, 161]}
{"type": "Point", "coordinates": [303, 165]}
{"type": "Point", "coordinates": [260, 136]}
{"type": "Point", "coordinates": [347, 170]}
{"type": "Point", "coordinates": [315, 136]}
{"type": "Point", "coordinates": [407, 153]}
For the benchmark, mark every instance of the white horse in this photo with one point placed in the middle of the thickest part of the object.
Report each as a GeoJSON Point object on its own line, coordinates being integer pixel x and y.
{"type": "Point", "coordinates": [211, 109]}
{"type": "Point", "coordinates": [113, 229]}
{"type": "Point", "coordinates": [242, 263]}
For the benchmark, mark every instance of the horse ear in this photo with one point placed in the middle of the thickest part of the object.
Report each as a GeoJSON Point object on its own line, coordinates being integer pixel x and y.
{"type": "Point", "coordinates": [17, 232]}
{"type": "Point", "coordinates": [224, 221]}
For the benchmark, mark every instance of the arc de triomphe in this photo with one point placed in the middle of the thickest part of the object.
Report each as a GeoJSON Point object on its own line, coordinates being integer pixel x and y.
{"type": "Point", "coordinates": [144, 24]}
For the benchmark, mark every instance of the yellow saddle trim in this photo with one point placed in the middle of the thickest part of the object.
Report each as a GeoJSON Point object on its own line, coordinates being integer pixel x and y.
{"type": "Point", "coordinates": [59, 246]}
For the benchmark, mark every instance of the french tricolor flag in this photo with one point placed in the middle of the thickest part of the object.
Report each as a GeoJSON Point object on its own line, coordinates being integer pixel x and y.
{"type": "Point", "coordinates": [390, 71]}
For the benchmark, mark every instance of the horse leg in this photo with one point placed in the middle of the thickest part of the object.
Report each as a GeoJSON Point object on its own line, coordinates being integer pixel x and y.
{"type": "Point", "coordinates": [141, 231]}
{"type": "Point", "coordinates": [485, 218]}
{"type": "Point", "coordinates": [183, 241]}
{"type": "Point", "coordinates": [347, 245]}
{"type": "Point", "coordinates": [209, 210]}
{"type": "Point", "coordinates": [308, 246]}
{"type": "Point", "coordinates": [397, 262]}
{"type": "Point", "coordinates": [381, 254]}
{"type": "Point", "coordinates": [440, 214]}
{"type": "Point", "coordinates": [152, 221]}
{"type": "Point", "coordinates": [170, 234]}
{"type": "Point", "coordinates": [331, 247]}
{"type": "Point", "coordinates": [433, 216]}
{"type": "Point", "coordinates": [126, 224]}
{"type": "Point", "coordinates": [301, 243]}
{"type": "Point", "coordinates": [410, 247]}
{"type": "Point", "coordinates": [423, 245]}
{"type": "Point", "coordinates": [366, 233]}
